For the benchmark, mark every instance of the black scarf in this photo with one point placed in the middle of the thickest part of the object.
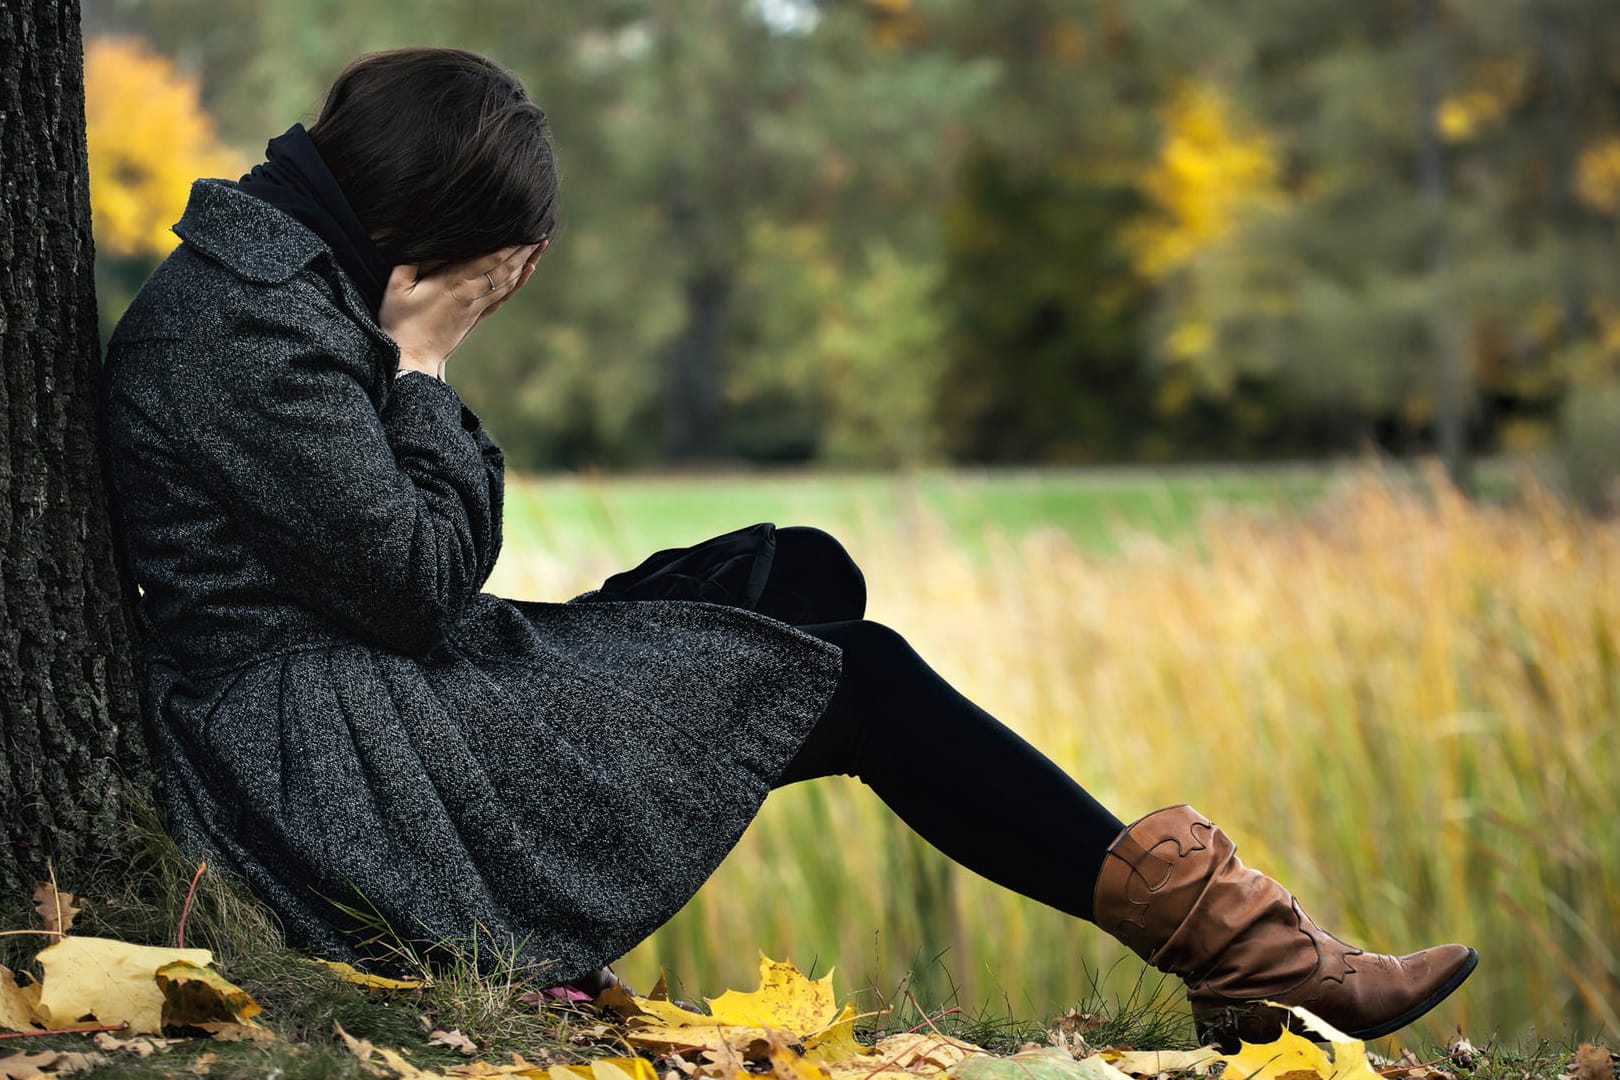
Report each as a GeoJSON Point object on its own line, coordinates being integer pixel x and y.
{"type": "Point", "coordinates": [294, 179]}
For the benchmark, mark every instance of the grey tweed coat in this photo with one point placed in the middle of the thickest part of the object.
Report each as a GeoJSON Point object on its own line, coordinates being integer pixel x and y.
{"type": "Point", "coordinates": [339, 713]}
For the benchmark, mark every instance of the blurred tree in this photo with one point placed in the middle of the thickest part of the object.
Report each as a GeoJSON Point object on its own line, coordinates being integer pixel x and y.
{"type": "Point", "coordinates": [1168, 229]}
{"type": "Point", "coordinates": [1044, 306]}
{"type": "Point", "coordinates": [149, 138]}
{"type": "Point", "coordinates": [1045, 318]}
{"type": "Point", "coordinates": [1430, 216]}
{"type": "Point", "coordinates": [680, 129]}
{"type": "Point", "coordinates": [843, 361]}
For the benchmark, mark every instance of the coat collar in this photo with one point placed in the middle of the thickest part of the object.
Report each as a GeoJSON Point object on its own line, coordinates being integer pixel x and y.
{"type": "Point", "coordinates": [248, 235]}
{"type": "Point", "coordinates": [260, 243]}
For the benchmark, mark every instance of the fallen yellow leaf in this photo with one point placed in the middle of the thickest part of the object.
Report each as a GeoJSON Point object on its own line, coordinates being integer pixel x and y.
{"type": "Point", "coordinates": [16, 1004]}
{"type": "Point", "coordinates": [786, 1001]}
{"type": "Point", "coordinates": [619, 1068]}
{"type": "Point", "coordinates": [390, 1059]}
{"type": "Point", "coordinates": [1038, 1063]}
{"type": "Point", "coordinates": [110, 980]}
{"type": "Point", "coordinates": [193, 994]}
{"type": "Point", "coordinates": [519, 1067]}
{"type": "Point", "coordinates": [1154, 1062]}
{"type": "Point", "coordinates": [230, 1031]}
{"type": "Point", "coordinates": [349, 974]}
{"type": "Point", "coordinates": [1288, 1053]}
{"type": "Point", "coordinates": [918, 1049]}
{"type": "Point", "coordinates": [1293, 1054]}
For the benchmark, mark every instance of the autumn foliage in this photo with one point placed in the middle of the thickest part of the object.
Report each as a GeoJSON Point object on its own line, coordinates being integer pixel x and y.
{"type": "Point", "coordinates": [149, 138]}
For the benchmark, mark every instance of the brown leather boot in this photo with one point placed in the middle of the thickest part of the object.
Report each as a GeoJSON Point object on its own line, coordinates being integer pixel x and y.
{"type": "Point", "coordinates": [1174, 891]}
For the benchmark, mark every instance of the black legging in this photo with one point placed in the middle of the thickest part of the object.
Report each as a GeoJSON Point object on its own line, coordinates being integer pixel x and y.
{"type": "Point", "coordinates": [898, 726]}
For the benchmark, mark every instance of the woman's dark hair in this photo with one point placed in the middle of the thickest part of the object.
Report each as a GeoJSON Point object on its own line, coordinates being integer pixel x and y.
{"type": "Point", "coordinates": [441, 153]}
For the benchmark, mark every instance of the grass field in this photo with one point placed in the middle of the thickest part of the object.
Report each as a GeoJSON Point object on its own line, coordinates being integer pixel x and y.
{"type": "Point", "coordinates": [629, 518]}
{"type": "Point", "coordinates": [1400, 704]}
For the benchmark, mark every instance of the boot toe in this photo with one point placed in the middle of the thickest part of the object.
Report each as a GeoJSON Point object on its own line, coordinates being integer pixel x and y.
{"type": "Point", "coordinates": [1382, 994]}
{"type": "Point", "coordinates": [1403, 988]}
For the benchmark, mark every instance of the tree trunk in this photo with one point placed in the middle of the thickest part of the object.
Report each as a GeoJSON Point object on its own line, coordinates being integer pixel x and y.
{"type": "Point", "coordinates": [1453, 382]}
{"type": "Point", "coordinates": [71, 741]}
{"type": "Point", "coordinates": [692, 394]}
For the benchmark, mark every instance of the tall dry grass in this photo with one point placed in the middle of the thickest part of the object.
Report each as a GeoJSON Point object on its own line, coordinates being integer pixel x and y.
{"type": "Point", "coordinates": [1404, 707]}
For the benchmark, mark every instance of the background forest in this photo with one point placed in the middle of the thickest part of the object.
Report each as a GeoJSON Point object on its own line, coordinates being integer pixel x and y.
{"type": "Point", "coordinates": [880, 232]}
{"type": "Point", "coordinates": [937, 254]}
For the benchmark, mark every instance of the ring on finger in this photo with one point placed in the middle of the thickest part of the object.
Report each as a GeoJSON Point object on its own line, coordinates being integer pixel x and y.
{"type": "Point", "coordinates": [492, 285]}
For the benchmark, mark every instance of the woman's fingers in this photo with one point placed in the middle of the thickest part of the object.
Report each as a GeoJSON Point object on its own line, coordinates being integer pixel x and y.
{"type": "Point", "coordinates": [430, 311]}
{"type": "Point", "coordinates": [487, 280]}
{"type": "Point", "coordinates": [523, 273]}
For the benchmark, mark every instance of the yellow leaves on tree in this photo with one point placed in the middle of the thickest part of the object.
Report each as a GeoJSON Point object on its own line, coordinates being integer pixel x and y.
{"type": "Point", "coordinates": [1208, 169]}
{"type": "Point", "coordinates": [149, 139]}
{"type": "Point", "coordinates": [1492, 88]}
{"type": "Point", "coordinates": [1597, 176]}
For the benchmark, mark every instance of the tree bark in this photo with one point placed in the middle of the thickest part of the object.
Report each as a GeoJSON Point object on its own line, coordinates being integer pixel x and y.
{"type": "Point", "coordinates": [692, 395]}
{"type": "Point", "coordinates": [71, 746]}
{"type": "Point", "coordinates": [1453, 382]}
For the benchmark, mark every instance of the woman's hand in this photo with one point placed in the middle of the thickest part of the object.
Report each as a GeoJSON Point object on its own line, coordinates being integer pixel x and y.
{"type": "Point", "coordinates": [430, 316]}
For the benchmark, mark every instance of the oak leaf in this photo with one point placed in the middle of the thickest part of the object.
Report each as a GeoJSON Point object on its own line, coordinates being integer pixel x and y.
{"type": "Point", "coordinates": [24, 1066]}
{"type": "Point", "coordinates": [140, 1047]}
{"type": "Point", "coordinates": [454, 1040]}
{"type": "Point", "coordinates": [57, 910]}
{"type": "Point", "coordinates": [1593, 1063]}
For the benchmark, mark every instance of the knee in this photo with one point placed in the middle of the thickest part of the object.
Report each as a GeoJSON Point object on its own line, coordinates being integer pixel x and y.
{"type": "Point", "coordinates": [812, 579]}
{"type": "Point", "coordinates": [875, 646]}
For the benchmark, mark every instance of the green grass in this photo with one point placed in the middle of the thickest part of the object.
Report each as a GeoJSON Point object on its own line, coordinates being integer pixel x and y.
{"type": "Point", "coordinates": [631, 517]}
{"type": "Point", "coordinates": [989, 958]}
{"type": "Point", "coordinates": [302, 1002]}
{"type": "Point", "coordinates": [1417, 684]}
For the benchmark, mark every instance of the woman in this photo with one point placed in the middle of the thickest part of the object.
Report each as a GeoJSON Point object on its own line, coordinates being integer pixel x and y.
{"type": "Point", "coordinates": [345, 719]}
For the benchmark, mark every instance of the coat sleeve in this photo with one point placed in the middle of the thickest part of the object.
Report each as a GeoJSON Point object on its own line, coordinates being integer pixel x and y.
{"type": "Point", "coordinates": [388, 522]}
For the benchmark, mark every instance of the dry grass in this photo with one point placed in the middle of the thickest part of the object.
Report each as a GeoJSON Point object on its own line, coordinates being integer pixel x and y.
{"type": "Point", "coordinates": [1403, 707]}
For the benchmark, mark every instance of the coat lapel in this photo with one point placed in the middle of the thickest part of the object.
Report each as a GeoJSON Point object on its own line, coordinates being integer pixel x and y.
{"type": "Point", "coordinates": [259, 243]}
